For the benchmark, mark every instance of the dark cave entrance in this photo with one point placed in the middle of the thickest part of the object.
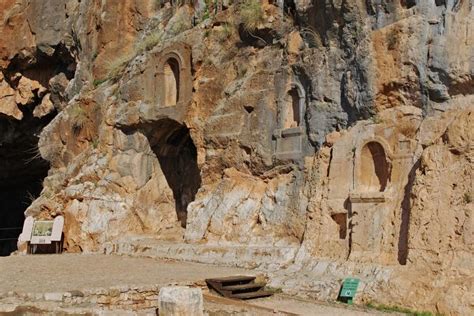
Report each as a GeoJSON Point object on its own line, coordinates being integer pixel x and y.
{"type": "Point", "coordinates": [22, 171]}
{"type": "Point", "coordinates": [177, 155]}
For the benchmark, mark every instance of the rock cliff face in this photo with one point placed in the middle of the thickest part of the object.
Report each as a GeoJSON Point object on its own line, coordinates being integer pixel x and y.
{"type": "Point", "coordinates": [342, 128]}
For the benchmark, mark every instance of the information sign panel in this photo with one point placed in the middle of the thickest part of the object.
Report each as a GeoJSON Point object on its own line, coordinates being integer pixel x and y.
{"type": "Point", "coordinates": [348, 290]}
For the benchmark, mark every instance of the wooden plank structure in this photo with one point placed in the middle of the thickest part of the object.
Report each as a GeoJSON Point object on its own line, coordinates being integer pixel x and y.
{"type": "Point", "coordinates": [239, 287]}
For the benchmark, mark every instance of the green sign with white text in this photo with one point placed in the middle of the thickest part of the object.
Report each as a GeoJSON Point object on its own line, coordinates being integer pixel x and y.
{"type": "Point", "coordinates": [348, 290]}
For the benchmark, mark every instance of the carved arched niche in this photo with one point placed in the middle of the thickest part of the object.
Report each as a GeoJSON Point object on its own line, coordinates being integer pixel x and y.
{"type": "Point", "coordinates": [289, 134]}
{"type": "Point", "coordinates": [173, 76]}
{"type": "Point", "coordinates": [374, 168]}
{"type": "Point", "coordinates": [171, 82]}
{"type": "Point", "coordinates": [293, 107]}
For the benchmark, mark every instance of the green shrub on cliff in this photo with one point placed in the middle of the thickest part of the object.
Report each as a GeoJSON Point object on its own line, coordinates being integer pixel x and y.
{"type": "Point", "coordinates": [78, 117]}
{"type": "Point", "coordinates": [251, 14]}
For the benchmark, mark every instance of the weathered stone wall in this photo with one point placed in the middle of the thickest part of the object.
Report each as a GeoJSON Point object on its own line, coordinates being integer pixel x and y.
{"type": "Point", "coordinates": [344, 130]}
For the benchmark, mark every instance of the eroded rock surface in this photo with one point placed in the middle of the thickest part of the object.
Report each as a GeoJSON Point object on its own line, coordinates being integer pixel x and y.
{"type": "Point", "coordinates": [343, 129]}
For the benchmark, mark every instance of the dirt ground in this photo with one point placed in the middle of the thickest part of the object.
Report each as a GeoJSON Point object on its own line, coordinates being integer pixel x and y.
{"type": "Point", "coordinates": [66, 272]}
{"type": "Point", "coordinates": [58, 273]}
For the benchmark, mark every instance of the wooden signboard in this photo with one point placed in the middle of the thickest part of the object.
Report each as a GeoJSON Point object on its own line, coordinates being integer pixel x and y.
{"type": "Point", "coordinates": [42, 233]}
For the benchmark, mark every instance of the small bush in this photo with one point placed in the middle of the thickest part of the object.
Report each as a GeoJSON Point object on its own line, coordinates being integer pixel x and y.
{"type": "Point", "coordinates": [225, 32]}
{"type": "Point", "coordinates": [78, 117]}
{"type": "Point", "coordinates": [206, 15]}
{"type": "Point", "coordinates": [98, 82]}
{"type": "Point", "coordinates": [251, 14]}
{"type": "Point", "coordinates": [148, 42]}
{"type": "Point", "coordinates": [95, 142]}
{"type": "Point", "coordinates": [312, 37]}
{"type": "Point", "coordinates": [116, 67]}
{"type": "Point", "coordinates": [180, 25]}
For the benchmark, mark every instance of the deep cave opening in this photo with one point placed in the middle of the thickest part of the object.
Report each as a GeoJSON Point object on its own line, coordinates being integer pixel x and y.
{"type": "Point", "coordinates": [22, 171]}
{"type": "Point", "coordinates": [177, 155]}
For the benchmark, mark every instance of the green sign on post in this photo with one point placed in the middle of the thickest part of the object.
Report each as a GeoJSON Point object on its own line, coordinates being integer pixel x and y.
{"type": "Point", "coordinates": [348, 290]}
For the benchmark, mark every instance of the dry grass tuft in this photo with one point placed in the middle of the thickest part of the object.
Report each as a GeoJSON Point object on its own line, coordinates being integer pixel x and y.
{"type": "Point", "coordinates": [78, 117]}
{"type": "Point", "coordinates": [115, 67]}
{"type": "Point", "coordinates": [148, 42]}
{"type": "Point", "coordinates": [251, 14]}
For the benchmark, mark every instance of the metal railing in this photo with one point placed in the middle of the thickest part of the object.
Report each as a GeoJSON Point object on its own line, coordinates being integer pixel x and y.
{"type": "Point", "coordinates": [10, 229]}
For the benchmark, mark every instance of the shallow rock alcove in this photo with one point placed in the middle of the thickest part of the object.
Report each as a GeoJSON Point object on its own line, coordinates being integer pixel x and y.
{"type": "Point", "coordinates": [374, 169]}
{"type": "Point", "coordinates": [171, 81]}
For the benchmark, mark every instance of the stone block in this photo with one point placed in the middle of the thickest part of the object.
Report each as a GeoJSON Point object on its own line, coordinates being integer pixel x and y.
{"type": "Point", "coordinates": [180, 301]}
{"type": "Point", "coordinates": [54, 297]}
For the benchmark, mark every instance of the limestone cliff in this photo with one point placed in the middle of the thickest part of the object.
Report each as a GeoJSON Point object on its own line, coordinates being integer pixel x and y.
{"type": "Point", "coordinates": [343, 129]}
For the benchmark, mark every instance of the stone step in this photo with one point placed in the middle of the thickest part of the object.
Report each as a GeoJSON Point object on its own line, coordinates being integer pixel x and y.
{"type": "Point", "coordinates": [240, 287]}
{"type": "Point", "coordinates": [250, 295]}
{"type": "Point", "coordinates": [232, 280]}
{"type": "Point", "coordinates": [235, 255]}
{"type": "Point", "coordinates": [244, 287]}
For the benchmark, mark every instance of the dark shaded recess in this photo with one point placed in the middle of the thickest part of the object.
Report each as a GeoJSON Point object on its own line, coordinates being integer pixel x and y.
{"type": "Point", "coordinates": [304, 79]}
{"type": "Point", "coordinates": [295, 104]}
{"type": "Point", "coordinates": [22, 171]}
{"type": "Point", "coordinates": [465, 87]}
{"type": "Point", "coordinates": [258, 38]}
{"type": "Point", "coordinates": [42, 67]}
{"type": "Point", "coordinates": [341, 221]}
{"type": "Point", "coordinates": [350, 224]}
{"type": "Point", "coordinates": [306, 82]}
{"type": "Point", "coordinates": [408, 3]}
{"type": "Point", "coordinates": [321, 18]}
{"type": "Point", "coordinates": [379, 160]}
{"type": "Point", "coordinates": [249, 108]}
{"type": "Point", "coordinates": [289, 7]}
{"type": "Point", "coordinates": [403, 236]}
{"type": "Point", "coordinates": [174, 66]}
{"type": "Point", "coordinates": [177, 154]}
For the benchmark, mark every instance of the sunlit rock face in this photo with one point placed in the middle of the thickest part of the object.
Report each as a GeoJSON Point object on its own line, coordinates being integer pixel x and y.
{"type": "Point", "coordinates": [342, 129]}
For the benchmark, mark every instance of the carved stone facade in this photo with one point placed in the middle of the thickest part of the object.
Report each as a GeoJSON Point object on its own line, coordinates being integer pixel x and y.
{"type": "Point", "coordinates": [367, 177]}
{"type": "Point", "coordinates": [173, 76]}
{"type": "Point", "coordinates": [161, 86]}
